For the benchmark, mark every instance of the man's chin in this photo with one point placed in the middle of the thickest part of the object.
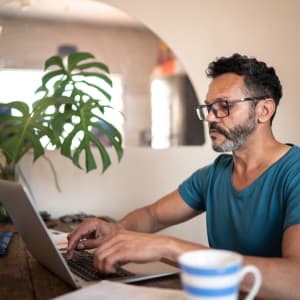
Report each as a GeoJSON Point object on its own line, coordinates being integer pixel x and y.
{"type": "Point", "coordinates": [222, 148]}
{"type": "Point", "coordinates": [217, 145]}
{"type": "Point", "coordinates": [217, 148]}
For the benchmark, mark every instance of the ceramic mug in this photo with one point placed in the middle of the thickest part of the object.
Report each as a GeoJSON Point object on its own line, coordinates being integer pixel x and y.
{"type": "Point", "coordinates": [215, 275]}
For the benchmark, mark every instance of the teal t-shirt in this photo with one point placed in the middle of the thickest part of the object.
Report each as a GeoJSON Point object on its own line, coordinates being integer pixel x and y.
{"type": "Point", "coordinates": [250, 221]}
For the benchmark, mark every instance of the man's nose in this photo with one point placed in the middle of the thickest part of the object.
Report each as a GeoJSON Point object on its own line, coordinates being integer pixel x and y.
{"type": "Point", "coordinates": [211, 116]}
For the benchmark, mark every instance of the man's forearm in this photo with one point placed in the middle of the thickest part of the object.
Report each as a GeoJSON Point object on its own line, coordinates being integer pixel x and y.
{"type": "Point", "coordinates": [141, 220]}
{"type": "Point", "coordinates": [167, 211]}
{"type": "Point", "coordinates": [280, 277]}
{"type": "Point", "coordinates": [175, 247]}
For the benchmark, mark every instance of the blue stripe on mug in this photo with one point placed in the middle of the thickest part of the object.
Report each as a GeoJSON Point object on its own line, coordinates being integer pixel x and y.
{"type": "Point", "coordinates": [210, 272]}
{"type": "Point", "coordinates": [213, 292]}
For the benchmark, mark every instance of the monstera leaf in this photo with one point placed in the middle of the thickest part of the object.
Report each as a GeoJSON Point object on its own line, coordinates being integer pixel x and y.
{"type": "Point", "coordinates": [73, 99]}
{"type": "Point", "coordinates": [20, 133]}
{"type": "Point", "coordinates": [85, 112]}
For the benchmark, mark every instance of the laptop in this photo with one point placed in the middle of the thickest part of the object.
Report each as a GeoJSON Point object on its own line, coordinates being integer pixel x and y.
{"type": "Point", "coordinates": [39, 242]}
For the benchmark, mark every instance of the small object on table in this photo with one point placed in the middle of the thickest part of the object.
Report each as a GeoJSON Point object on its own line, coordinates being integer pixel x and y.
{"type": "Point", "coordinates": [78, 218]}
{"type": "Point", "coordinates": [75, 218]}
{"type": "Point", "coordinates": [5, 237]}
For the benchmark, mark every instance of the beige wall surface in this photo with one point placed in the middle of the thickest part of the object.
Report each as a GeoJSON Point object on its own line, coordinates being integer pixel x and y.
{"type": "Point", "coordinates": [143, 176]}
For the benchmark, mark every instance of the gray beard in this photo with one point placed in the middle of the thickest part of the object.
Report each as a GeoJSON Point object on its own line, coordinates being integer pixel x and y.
{"type": "Point", "coordinates": [236, 136]}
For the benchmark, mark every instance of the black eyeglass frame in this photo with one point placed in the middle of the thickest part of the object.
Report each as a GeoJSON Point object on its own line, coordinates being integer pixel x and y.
{"type": "Point", "coordinates": [227, 106]}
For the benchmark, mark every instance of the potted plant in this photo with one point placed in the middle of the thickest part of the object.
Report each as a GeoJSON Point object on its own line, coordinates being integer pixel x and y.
{"type": "Point", "coordinates": [65, 101]}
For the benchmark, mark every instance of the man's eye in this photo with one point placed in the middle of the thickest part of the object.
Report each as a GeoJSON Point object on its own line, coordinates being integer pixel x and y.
{"type": "Point", "coordinates": [223, 105]}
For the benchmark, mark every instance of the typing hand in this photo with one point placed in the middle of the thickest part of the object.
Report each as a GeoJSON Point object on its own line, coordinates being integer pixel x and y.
{"type": "Point", "coordinates": [90, 234]}
{"type": "Point", "coordinates": [128, 246]}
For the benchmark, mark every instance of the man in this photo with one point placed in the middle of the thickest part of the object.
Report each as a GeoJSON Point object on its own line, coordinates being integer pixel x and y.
{"type": "Point", "coordinates": [251, 198]}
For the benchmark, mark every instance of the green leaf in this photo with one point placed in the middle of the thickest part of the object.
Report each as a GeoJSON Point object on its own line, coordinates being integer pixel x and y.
{"type": "Point", "coordinates": [75, 58]}
{"type": "Point", "coordinates": [60, 87]}
{"type": "Point", "coordinates": [46, 131]}
{"type": "Point", "coordinates": [102, 108]}
{"type": "Point", "coordinates": [38, 149]}
{"type": "Point", "coordinates": [48, 76]}
{"type": "Point", "coordinates": [90, 163]}
{"type": "Point", "coordinates": [23, 132]}
{"type": "Point", "coordinates": [42, 88]}
{"type": "Point", "coordinates": [98, 75]}
{"type": "Point", "coordinates": [75, 158]}
{"type": "Point", "coordinates": [59, 120]}
{"type": "Point", "coordinates": [116, 142]}
{"type": "Point", "coordinates": [66, 145]}
{"type": "Point", "coordinates": [117, 135]}
{"type": "Point", "coordinates": [106, 162]}
{"type": "Point", "coordinates": [54, 60]}
{"type": "Point", "coordinates": [97, 65]}
{"type": "Point", "coordinates": [18, 105]}
{"type": "Point", "coordinates": [102, 91]}
{"type": "Point", "coordinates": [40, 106]}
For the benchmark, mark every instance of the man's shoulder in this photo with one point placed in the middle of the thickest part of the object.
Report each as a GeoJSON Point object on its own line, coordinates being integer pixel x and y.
{"type": "Point", "coordinates": [293, 153]}
{"type": "Point", "coordinates": [289, 164]}
{"type": "Point", "coordinates": [295, 149]}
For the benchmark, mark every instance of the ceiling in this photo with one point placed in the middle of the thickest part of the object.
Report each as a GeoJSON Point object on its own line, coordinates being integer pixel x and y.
{"type": "Point", "coordinates": [88, 11]}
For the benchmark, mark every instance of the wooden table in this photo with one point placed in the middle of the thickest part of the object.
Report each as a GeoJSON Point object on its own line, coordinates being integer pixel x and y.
{"type": "Point", "coordinates": [22, 277]}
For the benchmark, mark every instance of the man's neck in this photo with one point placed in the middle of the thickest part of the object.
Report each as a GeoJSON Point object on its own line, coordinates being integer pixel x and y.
{"type": "Point", "coordinates": [255, 157]}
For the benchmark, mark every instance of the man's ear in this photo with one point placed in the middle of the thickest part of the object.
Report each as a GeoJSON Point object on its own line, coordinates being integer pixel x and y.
{"type": "Point", "coordinates": [265, 110]}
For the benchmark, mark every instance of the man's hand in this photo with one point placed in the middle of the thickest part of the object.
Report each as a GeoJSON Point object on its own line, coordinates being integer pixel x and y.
{"type": "Point", "coordinates": [128, 246]}
{"type": "Point", "coordinates": [90, 234]}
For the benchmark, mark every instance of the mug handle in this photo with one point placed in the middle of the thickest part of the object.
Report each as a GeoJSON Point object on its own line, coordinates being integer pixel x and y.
{"type": "Point", "coordinates": [257, 280]}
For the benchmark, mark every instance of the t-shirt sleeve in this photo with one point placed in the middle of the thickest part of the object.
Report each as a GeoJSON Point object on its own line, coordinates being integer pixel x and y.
{"type": "Point", "coordinates": [193, 189]}
{"type": "Point", "coordinates": [292, 213]}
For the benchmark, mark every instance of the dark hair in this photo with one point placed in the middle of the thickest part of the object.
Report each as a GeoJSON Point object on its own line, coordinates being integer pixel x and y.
{"type": "Point", "coordinates": [258, 77]}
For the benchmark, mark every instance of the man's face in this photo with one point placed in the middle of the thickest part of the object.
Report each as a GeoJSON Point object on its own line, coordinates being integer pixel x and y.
{"type": "Point", "coordinates": [230, 133]}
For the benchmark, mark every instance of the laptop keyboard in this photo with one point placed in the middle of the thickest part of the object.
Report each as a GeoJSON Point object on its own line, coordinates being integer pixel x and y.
{"type": "Point", "coordinates": [81, 264]}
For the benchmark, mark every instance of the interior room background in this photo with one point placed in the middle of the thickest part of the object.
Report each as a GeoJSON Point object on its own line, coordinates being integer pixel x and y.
{"type": "Point", "coordinates": [197, 31]}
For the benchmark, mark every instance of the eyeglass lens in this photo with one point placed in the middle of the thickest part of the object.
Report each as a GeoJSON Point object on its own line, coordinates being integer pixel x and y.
{"type": "Point", "coordinates": [220, 110]}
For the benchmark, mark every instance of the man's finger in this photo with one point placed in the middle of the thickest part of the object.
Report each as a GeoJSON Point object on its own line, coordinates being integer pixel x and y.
{"type": "Point", "coordinates": [88, 244]}
{"type": "Point", "coordinates": [77, 235]}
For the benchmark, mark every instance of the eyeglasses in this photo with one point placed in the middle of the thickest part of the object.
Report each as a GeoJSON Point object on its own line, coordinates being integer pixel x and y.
{"type": "Point", "coordinates": [221, 107]}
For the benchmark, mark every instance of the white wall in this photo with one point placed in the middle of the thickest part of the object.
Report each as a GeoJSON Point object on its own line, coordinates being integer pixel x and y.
{"type": "Point", "coordinates": [198, 31]}
{"type": "Point", "coordinates": [142, 176]}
